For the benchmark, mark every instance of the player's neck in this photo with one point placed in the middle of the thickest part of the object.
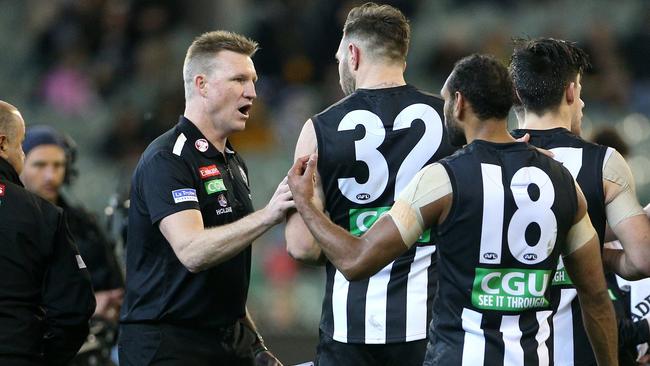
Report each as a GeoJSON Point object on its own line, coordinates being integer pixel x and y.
{"type": "Point", "coordinates": [380, 76]}
{"type": "Point", "coordinates": [547, 121]}
{"type": "Point", "coordinates": [492, 130]}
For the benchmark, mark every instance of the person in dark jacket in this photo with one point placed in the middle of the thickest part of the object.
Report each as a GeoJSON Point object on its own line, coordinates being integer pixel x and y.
{"type": "Point", "coordinates": [49, 165]}
{"type": "Point", "coordinates": [46, 297]}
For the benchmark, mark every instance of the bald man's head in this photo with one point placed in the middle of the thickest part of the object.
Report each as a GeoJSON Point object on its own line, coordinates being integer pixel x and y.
{"type": "Point", "coordinates": [12, 134]}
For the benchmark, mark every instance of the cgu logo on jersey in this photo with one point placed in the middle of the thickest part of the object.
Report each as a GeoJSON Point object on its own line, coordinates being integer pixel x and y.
{"type": "Point", "coordinates": [361, 219]}
{"type": "Point", "coordinates": [510, 289]}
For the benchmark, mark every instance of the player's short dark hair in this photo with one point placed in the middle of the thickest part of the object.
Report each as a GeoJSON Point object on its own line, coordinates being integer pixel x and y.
{"type": "Point", "coordinates": [485, 83]}
{"type": "Point", "coordinates": [383, 27]}
{"type": "Point", "coordinates": [206, 46]}
{"type": "Point", "coordinates": [541, 69]}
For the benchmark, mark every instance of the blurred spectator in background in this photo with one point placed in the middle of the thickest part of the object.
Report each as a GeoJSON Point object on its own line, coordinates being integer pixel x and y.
{"type": "Point", "coordinates": [46, 297]}
{"type": "Point", "coordinates": [49, 165]}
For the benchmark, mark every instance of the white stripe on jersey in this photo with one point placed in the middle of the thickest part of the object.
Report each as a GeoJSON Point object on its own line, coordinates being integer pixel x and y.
{"type": "Point", "coordinates": [340, 307]}
{"type": "Point", "coordinates": [492, 226]}
{"type": "Point", "coordinates": [513, 353]}
{"type": "Point", "coordinates": [376, 298]}
{"type": "Point", "coordinates": [178, 146]}
{"type": "Point", "coordinates": [563, 329]}
{"type": "Point", "coordinates": [474, 343]}
{"type": "Point", "coordinates": [416, 294]}
{"type": "Point", "coordinates": [542, 336]}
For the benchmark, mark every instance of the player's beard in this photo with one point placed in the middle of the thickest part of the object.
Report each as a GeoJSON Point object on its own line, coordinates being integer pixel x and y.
{"type": "Point", "coordinates": [348, 84]}
{"type": "Point", "coordinates": [455, 133]}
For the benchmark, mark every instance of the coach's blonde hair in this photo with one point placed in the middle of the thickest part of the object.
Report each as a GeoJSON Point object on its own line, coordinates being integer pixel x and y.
{"type": "Point", "coordinates": [200, 55]}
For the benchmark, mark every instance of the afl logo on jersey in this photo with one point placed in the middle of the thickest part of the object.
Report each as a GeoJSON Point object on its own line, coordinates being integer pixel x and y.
{"type": "Point", "coordinates": [363, 196]}
{"type": "Point", "coordinates": [201, 145]}
{"type": "Point", "coordinates": [490, 255]}
{"type": "Point", "coordinates": [530, 256]}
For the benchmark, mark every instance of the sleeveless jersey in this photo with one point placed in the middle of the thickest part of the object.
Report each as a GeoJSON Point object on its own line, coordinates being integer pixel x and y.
{"type": "Point", "coordinates": [498, 250]}
{"type": "Point", "coordinates": [370, 145]}
{"type": "Point", "coordinates": [585, 161]}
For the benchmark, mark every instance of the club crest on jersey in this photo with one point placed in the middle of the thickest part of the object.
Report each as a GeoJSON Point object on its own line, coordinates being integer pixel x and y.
{"type": "Point", "coordinates": [201, 145]}
{"type": "Point", "coordinates": [223, 202]}
{"type": "Point", "coordinates": [209, 171]}
{"type": "Point", "coordinates": [2, 190]}
{"type": "Point", "coordinates": [243, 175]}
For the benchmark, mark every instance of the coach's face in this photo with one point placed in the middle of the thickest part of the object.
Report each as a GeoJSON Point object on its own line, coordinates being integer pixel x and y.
{"type": "Point", "coordinates": [452, 126]}
{"type": "Point", "coordinates": [346, 79]}
{"type": "Point", "coordinates": [229, 90]}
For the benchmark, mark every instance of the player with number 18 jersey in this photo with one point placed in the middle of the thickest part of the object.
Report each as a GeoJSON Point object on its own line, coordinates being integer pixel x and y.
{"type": "Point", "coordinates": [370, 145]}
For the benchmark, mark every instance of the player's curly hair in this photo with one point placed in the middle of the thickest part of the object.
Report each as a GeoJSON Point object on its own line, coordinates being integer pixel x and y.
{"type": "Point", "coordinates": [485, 83]}
{"type": "Point", "coordinates": [542, 68]}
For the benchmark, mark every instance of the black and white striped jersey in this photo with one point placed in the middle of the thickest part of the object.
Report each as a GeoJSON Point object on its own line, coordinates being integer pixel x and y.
{"type": "Point", "coordinates": [585, 161]}
{"type": "Point", "coordinates": [370, 145]}
{"type": "Point", "coordinates": [498, 250]}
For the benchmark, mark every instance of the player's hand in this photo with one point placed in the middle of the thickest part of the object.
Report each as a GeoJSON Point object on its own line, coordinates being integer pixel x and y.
{"type": "Point", "coordinates": [301, 178]}
{"type": "Point", "coordinates": [281, 201]}
{"type": "Point", "coordinates": [526, 138]}
{"type": "Point", "coordinates": [266, 358]}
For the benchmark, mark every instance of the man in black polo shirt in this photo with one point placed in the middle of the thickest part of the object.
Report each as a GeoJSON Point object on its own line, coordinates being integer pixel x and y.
{"type": "Point", "coordinates": [191, 223]}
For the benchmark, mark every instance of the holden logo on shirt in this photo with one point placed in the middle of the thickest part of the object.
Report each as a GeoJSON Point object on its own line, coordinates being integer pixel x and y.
{"type": "Point", "coordinates": [209, 171]}
{"type": "Point", "coordinates": [2, 190]}
{"type": "Point", "coordinates": [201, 145]}
{"type": "Point", "coordinates": [223, 202]}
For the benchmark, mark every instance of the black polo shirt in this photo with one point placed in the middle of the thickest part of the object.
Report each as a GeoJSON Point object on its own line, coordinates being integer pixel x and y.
{"type": "Point", "coordinates": [181, 170]}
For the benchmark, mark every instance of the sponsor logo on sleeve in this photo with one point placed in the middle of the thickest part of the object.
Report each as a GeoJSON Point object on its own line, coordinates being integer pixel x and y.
{"type": "Point", "coordinates": [201, 145]}
{"type": "Point", "coordinates": [185, 195]}
{"type": "Point", "coordinates": [209, 171]}
{"type": "Point", "coordinates": [214, 186]}
{"type": "Point", "coordinates": [2, 190]}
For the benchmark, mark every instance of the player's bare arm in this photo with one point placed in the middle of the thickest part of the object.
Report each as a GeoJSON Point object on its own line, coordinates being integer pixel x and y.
{"type": "Point", "coordinates": [198, 248]}
{"type": "Point", "coordinates": [583, 264]}
{"type": "Point", "coordinates": [301, 244]}
{"type": "Point", "coordinates": [360, 257]}
{"type": "Point", "coordinates": [628, 222]}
